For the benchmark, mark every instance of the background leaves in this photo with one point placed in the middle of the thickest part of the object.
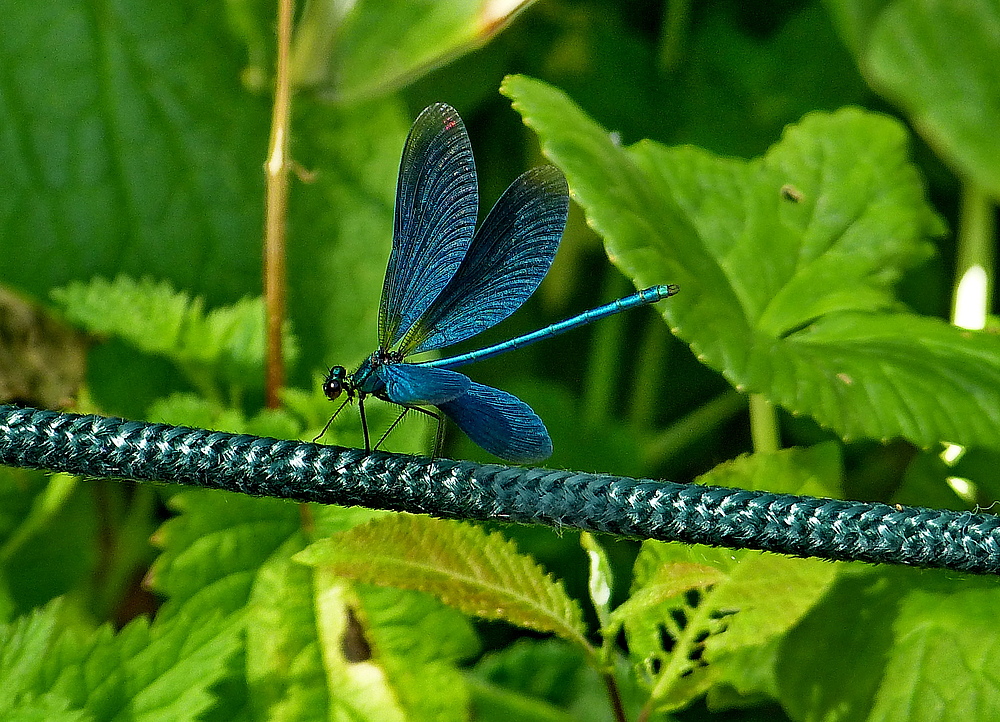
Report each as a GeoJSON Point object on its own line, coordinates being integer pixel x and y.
{"type": "Point", "coordinates": [796, 167]}
{"type": "Point", "coordinates": [782, 294]}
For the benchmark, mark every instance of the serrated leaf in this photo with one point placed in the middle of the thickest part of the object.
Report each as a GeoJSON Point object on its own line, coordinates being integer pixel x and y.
{"type": "Point", "coordinates": [943, 663]}
{"type": "Point", "coordinates": [187, 409]}
{"type": "Point", "coordinates": [214, 547]}
{"type": "Point", "coordinates": [156, 319]}
{"type": "Point", "coordinates": [171, 676]}
{"type": "Point", "coordinates": [665, 583]}
{"type": "Point", "coordinates": [151, 316]}
{"type": "Point", "coordinates": [419, 641]}
{"type": "Point", "coordinates": [479, 573]}
{"type": "Point", "coordinates": [937, 60]}
{"type": "Point", "coordinates": [711, 602]}
{"type": "Point", "coordinates": [149, 672]}
{"type": "Point", "coordinates": [305, 652]}
{"type": "Point", "coordinates": [23, 644]}
{"type": "Point", "coordinates": [372, 47]}
{"type": "Point", "coordinates": [788, 294]}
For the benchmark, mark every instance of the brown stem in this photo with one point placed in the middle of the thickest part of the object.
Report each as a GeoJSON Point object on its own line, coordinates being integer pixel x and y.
{"type": "Point", "coordinates": [276, 208]}
{"type": "Point", "coordinates": [615, 696]}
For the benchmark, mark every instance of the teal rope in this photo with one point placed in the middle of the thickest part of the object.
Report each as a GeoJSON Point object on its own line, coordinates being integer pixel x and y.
{"type": "Point", "coordinates": [97, 446]}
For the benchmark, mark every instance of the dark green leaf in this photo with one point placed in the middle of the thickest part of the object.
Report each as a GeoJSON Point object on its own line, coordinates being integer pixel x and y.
{"type": "Point", "coordinates": [786, 266]}
{"type": "Point", "coordinates": [937, 60]}
{"type": "Point", "coordinates": [129, 147]}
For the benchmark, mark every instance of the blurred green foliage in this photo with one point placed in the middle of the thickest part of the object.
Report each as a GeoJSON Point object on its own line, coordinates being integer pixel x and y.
{"type": "Point", "coordinates": [798, 167]}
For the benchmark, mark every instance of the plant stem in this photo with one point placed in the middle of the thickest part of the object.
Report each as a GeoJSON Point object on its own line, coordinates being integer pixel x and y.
{"type": "Point", "coordinates": [676, 22]}
{"type": "Point", "coordinates": [615, 696]}
{"type": "Point", "coordinates": [974, 264]}
{"type": "Point", "coordinates": [973, 294]}
{"type": "Point", "coordinates": [604, 358]}
{"type": "Point", "coordinates": [650, 370]}
{"type": "Point", "coordinates": [682, 432]}
{"type": "Point", "coordinates": [276, 209]}
{"type": "Point", "coordinates": [763, 425]}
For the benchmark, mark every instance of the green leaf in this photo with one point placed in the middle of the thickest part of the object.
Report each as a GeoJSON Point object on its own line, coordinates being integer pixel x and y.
{"type": "Point", "coordinates": [714, 604]}
{"type": "Point", "coordinates": [854, 621]}
{"type": "Point", "coordinates": [316, 644]}
{"type": "Point", "coordinates": [137, 151]}
{"type": "Point", "coordinates": [155, 319]}
{"type": "Point", "coordinates": [601, 579]}
{"type": "Point", "coordinates": [188, 409]}
{"type": "Point", "coordinates": [213, 548]}
{"type": "Point", "coordinates": [936, 59]}
{"type": "Point", "coordinates": [788, 294]}
{"type": "Point", "coordinates": [479, 573]}
{"type": "Point", "coordinates": [939, 667]}
{"type": "Point", "coordinates": [813, 471]}
{"type": "Point", "coordinates": [285, 665]}
{"type": "Point", "coordinates": [340, 226]}
{"type": "Point", "coordinates": [548, 681]}
{"type": "Point", "coordinates": [149, 672]}
{"type": "Point", "coordinates": [905, 644]}
{"type": "Point", "coordinates": [376, 46]}
{"type": "Point", "coordinates": [419, 642]}
{"type": "Point", "coordinates": [664, 584]}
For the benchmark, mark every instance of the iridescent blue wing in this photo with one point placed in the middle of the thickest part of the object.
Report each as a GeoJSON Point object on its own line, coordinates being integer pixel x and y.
{"type": "Point", "coordinates": [437, 202]}
{"type": "Point", "coordinates": [508, 258]}
{"type": "Point", "coordinates": [412, 385]}
{"type": "Point", "coordinates": [500, 423]}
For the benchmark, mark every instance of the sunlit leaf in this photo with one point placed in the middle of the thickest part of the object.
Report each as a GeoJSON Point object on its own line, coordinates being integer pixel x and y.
{"type": "Point", "coordinates": [479, 573]}
{"type": "Point", "coordinates": [788, 294]}
{"type": "Point", "coordinates": [371, 47]}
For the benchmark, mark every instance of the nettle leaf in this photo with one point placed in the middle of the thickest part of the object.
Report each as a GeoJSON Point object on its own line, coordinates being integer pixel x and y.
{"type": "Point", "coordinates": [376, 46]}
{"type": "Point", "coordinates": [418, 641]}
{"type": "Point", "coordinates": [476, 572]}
{"type": "Point", "coordinates": [937, 60]}
{"type": "Point", "coordinates": [162, 670]}
{"type": "Point", "coordinates": [939, 665]}
{"type": "Point", "coordinates": [189, 409]}
{"type": "Point", "coordinates": [156, 319]}
{"type": "Point", "coordinates": [911, 644]}
{"type": "Point", "coordinates": [714, 604]}
{"type": "Point", "coordinates": [315, 643]}
{"type": "Point", "coordinates": [213, 548]}
{"type": "Point", "coordinates": [666, 582]}
{"type": "Point", "coordinates": [786, 265]}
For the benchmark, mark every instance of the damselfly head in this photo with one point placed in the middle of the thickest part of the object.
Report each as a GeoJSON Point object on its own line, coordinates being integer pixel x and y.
{"type": "Point", "coordinates": [336, 383]}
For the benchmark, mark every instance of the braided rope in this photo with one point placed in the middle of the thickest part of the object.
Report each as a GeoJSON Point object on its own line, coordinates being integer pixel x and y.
{"type": "Point", "coordinates": [97, 446]}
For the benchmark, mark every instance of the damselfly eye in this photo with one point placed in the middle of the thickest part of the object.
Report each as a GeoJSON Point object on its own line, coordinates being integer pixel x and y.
{"type": "Point", "coordinates": [334, 384]}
